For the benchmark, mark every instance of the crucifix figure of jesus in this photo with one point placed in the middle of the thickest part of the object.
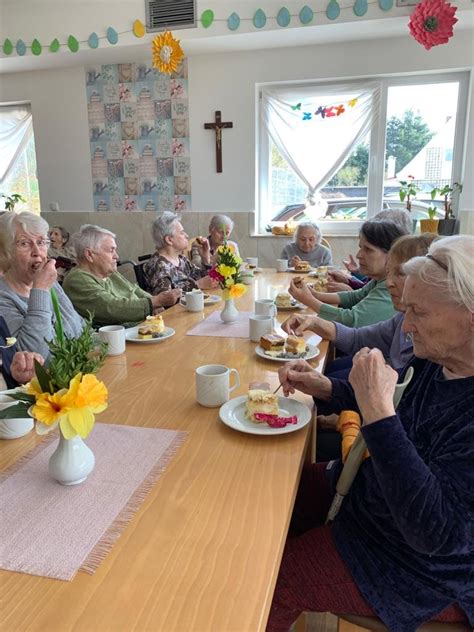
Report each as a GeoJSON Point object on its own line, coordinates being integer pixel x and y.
{"type": "Point", "coordinates": [218, 126]}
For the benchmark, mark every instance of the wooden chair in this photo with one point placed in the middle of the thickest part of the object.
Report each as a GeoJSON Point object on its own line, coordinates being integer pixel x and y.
{"type": "Point", "coordinates": [324, 242]}
{"type": "Point", "coordinates": [375, 624]}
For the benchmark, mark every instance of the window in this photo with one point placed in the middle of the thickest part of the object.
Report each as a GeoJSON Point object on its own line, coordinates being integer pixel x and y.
{"type": "Point", "coordinates": [356, 168]}
{"type": "Point", "coordinates": [18, 157]}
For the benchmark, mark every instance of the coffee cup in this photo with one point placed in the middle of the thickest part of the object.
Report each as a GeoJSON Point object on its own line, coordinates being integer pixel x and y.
{"type": "Point", "coordinates": [265, 307]}
{"type": "Point", "coordinates": [213, 384]}
{"type": "Point", "coordinates": [282, 265]}
{"type": "Point", "coordinates": [259, 325]}
{"type": "Point", "coordinates": [114, 336]}
{"type": "Point", "coordinates": [247, 277]}
{"type": "Point", "coordinates": [194, 301]}
{"type": "Point", "coordinates": [252, 262]}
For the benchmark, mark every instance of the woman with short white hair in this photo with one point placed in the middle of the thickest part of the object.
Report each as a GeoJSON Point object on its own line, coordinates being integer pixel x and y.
{"type": "Point", "coordinates": [168, 269]}
{"type": "Point", "coordinates": [401, 544]}
{"type": "Point", "coordinates": [307, 246]}
{"type": "Point", "coordinates": [25, 301]}
{"type": "Point", "coordinates": [220, 229]}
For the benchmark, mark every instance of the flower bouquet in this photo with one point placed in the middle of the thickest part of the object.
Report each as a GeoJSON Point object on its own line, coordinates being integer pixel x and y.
{"type": "Point", "coordinates": [226, 272]}
{"type": "Point", "coordinates": [66, 393]}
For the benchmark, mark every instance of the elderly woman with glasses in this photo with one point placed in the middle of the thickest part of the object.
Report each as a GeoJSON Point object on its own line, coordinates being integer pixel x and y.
{"type": "Point", "coordinates": [168, 268]}
{"type": "Point", "coordinates": [307, 247]}
{"type": "Point", "coordinates": [401, 545]}
{"type": "Point", "coordinates": [25, 301]}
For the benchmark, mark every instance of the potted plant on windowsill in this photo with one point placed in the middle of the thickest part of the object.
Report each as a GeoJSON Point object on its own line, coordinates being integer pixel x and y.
{"type": "Point", "coordinates": [430, 225]}
{"type": "Point", "coordinates": [407, 192]}
{"type": "Point", "coordinates": [450, 224]}
{"type": "Point", "coordinates": [12, 200]}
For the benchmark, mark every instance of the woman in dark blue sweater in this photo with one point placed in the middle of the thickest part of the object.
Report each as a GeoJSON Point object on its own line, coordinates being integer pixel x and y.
{"type": "Point", "coordinates": [15, 367]}
{"type": "Point", "coordinates": [402, 545]}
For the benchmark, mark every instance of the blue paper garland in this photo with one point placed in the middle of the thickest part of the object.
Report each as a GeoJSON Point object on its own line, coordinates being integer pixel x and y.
{"type": "Point", "coordinates": [259, 19]}
{"type": "Point", "coordinates": [283, 17]}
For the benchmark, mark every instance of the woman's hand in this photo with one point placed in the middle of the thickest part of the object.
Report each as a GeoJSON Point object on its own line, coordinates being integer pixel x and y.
{"type": "Point", "coordinates": [296, 324]}
{"type": "Point", "coordinates": [351, 264]}
{"type": "Point", "coordinates": [339, 276]}
{"type": "Point", "coordinates": [204, 250]}
{"type": "Point", "coordinates": [169, 297]}
{"type": "Point", "coordinates": [22, 367]}
{"type": "Point", "coordinates": [45, 276]}
{"type": "Point", "coordinates": [298, 375]}
{"type": "Point", "coordinates": [294, 260]}
{"type": "Point", "coordinates": [300, 292]}
{"type": "Point", "coordinates": [206, 283]}
{"type": "Point", "coordinates": [374, 383]}
{"type": "Point", "coordinates": [333, 286]}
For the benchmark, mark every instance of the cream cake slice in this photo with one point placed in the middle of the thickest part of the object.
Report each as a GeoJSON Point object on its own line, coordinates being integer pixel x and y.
{"type": "Point", "coordinates": [283, 299]}
{"type": "Point", "coordinates": [260, 401]}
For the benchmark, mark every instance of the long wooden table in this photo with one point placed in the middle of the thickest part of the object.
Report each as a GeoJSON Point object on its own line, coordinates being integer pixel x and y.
{"type": "Point", "coordinates": [203, 551]}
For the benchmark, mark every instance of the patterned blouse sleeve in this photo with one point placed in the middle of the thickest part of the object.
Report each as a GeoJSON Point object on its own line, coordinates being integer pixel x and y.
{"type": "Point", "coordinates": [158, 275]}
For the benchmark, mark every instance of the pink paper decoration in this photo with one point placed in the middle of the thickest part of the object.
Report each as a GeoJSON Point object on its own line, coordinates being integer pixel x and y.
{"type": "Point", "coordinates": [432, 21]}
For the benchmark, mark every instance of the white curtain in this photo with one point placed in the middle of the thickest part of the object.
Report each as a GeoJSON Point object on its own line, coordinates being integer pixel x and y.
{"type": "Point", "coordinates": [16, 127]}
{"type": "Point", "coordinates": [314, 146]}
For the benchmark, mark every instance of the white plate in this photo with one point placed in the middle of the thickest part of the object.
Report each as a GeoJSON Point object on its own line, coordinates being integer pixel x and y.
{"type": "Point", "coordinates": [254, 270]}
{"type": "Point", "coordinates": [131, 334]}
{"type": "Point", "coordinates": [300, 271]}
{"type": "Point", "coordinates": [294, 305]}
{"type": "Point", "coordinates": [210, 300]}
{"type": "Point", "coordinates": [312, 352]}
{"type": "Point", "coordinates": [232, 413]}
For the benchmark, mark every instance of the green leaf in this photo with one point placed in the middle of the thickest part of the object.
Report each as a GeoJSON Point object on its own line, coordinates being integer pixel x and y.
{"type": "Point", "coordinates": [58, 327]}
{"type": "Point", "coordinates": [17, 411]}
{"type": "Point", "coordinates": [22, 397]}
{"type": "Point", "coordinates": [43, 378]}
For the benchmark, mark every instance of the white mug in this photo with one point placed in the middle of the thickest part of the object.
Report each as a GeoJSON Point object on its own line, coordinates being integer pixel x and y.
{"type": "Point", "coordinates": [282, 265]}
{"type": "Point", "coordinates": [213, 384]}
{"type": "Point", "coordinates": [114, 335]}
{"type": "Point", "coordinates": [252, 261]}
{"type": "Point", "coordinates": [259, 325]}
{"type": "Point", "coordinates": [194, 301]}
{"type": "Point", "coordinates": [247, 277]}
{"type": "Point", "coordinates": [265, 307]}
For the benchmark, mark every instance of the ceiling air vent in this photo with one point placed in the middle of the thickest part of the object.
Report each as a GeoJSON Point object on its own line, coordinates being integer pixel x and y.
{"type": "Point", "coordinates": [170, 14]}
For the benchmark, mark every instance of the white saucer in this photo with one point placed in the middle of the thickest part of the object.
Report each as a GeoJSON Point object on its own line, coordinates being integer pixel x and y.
{"type": "Point", "coordinates": [300, 271]}
{"type": "Point", "coordinates": [131, 335]}
{"type": "Point", "coordinates": [210, 300]}
{"type": "Point", "coordinates": [312, 352]}
{"type": "Point", "coordinates": [232, 413]}
{"type": "Point", "coordinates": [294, 305]}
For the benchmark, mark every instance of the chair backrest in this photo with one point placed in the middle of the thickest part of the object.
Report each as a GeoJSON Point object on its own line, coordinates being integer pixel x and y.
{"type": "Point", "coordinates": [144, 257]}
{"type": "Point", "coordinates": [138, 270]}
{"type": "Point", "coordinates": [324, 242]}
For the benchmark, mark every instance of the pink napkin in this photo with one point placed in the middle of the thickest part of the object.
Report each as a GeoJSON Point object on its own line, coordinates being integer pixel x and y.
{"type": "Point", "coordinates": [213, 326]}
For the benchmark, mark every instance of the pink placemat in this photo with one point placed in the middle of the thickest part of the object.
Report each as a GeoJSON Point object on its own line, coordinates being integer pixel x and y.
{"type": "Point", "coordinates": [50, 530]}
{"type": "Point", "coordinates": [213, 326]}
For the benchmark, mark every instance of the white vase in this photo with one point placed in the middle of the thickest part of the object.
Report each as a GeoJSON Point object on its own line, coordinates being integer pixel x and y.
{"type": "Point", "coordinates": [72, 461]}
{"type": "Point", "coordinates": [230, 313]}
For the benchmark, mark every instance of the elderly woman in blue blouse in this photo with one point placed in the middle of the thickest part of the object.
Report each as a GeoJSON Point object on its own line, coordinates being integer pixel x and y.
{"type": "Point", "coordinates": [401, 546]}
{"type": "Point", "coordinates": [25, 301]}
{"type": "Point", "coordinates": [168, 268]}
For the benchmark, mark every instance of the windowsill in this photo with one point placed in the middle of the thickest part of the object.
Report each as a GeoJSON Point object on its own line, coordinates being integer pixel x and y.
{"type": "Point", "coordinates": [335, 229]}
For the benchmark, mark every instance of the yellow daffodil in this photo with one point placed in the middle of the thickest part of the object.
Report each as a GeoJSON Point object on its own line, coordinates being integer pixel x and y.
{"type": "Point", "coordinates": [237, 290]}
{"type": "Point", "coordinates": [33, 387]}
{"type": "Point", "coordinates": [226, 271]}
{"type": "Point", "coordinates": [229, 282]}
{"type": "Point", "coordinates": [48, 408]}
{"type": "Point", "coordinates": [85, 397]}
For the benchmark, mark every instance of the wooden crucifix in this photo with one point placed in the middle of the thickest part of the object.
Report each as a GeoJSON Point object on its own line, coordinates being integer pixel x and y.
{"type": "Point", "coordinates": [218, 126]}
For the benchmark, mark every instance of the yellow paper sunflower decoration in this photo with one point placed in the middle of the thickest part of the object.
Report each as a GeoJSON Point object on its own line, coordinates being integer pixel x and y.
{"type": "Point", "coordinates": [167, 53]}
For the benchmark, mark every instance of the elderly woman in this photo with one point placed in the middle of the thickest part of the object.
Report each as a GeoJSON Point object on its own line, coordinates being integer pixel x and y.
{"type": "Point", "coordinates": [60, 249]}
{"type": "Point", "coordinates": [307, 247]}
{"type": "Point", "coordinates": [401, 544]}
{"type": "Point", "coordinates": [220, 229]}
{"type": "Point", "coordinates": [168, 268]}
{"type": "Point", "coordinates": [25, 301]}
{"type": "Point", "coordinates": [371, 303]}
{"type": "Point", "coordinates": [96, 287]}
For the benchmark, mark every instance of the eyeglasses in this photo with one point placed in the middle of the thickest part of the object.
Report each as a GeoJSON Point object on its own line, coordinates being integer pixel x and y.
{"type": "Point", "coordinates": [27, 244]}
{"type": "Point", "coordinates": [440, 263]}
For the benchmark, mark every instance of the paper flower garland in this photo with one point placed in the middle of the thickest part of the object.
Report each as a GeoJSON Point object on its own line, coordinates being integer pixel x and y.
{"type": "Point", "coordinates": [167, 53]}
{"type": "Point", "coordinates": [432, 21]}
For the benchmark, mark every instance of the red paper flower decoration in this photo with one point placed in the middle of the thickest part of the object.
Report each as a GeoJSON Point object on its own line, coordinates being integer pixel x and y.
{"type": "Point", "coordinates": [432, 21]}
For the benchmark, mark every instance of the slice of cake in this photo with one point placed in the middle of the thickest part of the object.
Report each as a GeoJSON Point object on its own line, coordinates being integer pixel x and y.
{"type": "Point", "coordinates": [156, 323]}
{"type": "Point", "coordinates": [272, 342]}
{"type": "Point", "coordinates": [145, 332]}
{"type": "Point", "coordinates": [298, 281]}
{"type": "Point", "coordinates": [302, 266]}
{"type": "Point", "coordinates": [295, 345]}
{"type": "Point", "coordinates": [283, 299]}
{"type": "Point", "coordinates": [260, 401]}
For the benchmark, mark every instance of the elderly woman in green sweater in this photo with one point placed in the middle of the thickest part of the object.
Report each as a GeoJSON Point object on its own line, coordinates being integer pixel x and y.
{"type": "Point", "coordinates": [96, 287]}
{"type": "Point", "coordinates": [372, 303]}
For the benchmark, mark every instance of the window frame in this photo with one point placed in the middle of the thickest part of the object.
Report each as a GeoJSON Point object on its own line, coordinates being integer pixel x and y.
{"type": "Point", "coordinates": [375, 175]}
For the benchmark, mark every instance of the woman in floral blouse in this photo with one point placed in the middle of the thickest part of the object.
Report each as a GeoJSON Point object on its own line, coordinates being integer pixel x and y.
{"type": "Point", "coordinates": [168, 268]}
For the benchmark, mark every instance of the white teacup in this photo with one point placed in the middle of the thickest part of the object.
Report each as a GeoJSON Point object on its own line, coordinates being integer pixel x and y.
{"type": "Point", "coordinates": [213, 384]}
{"type": "Point", "coordinates": [259, 325]}
{"type": "Point", "coordinates": [247, 277]}
{"type": "Point", "coordinates": [282, 265]}
{"type": "Point", "coordinates": [194, 301]}
{"type": "Point", "coordinates": [265, 307]}
{"type": "Point", "coordinates": [114, 335]}
{"type": "Point", "coordinates": [252, 261]}
{"type": "Point", "coordinates": [13, 428]}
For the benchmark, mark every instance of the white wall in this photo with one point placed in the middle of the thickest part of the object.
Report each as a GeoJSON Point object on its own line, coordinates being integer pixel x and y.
{"type": "Point", "coordinates": [223, 82]}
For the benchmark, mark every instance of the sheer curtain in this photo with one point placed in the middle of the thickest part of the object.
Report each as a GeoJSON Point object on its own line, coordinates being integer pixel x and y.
{"type": "Point", "coordinates": [316, 147]}
{"type": "Point", "coordinates": [16, 127]}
